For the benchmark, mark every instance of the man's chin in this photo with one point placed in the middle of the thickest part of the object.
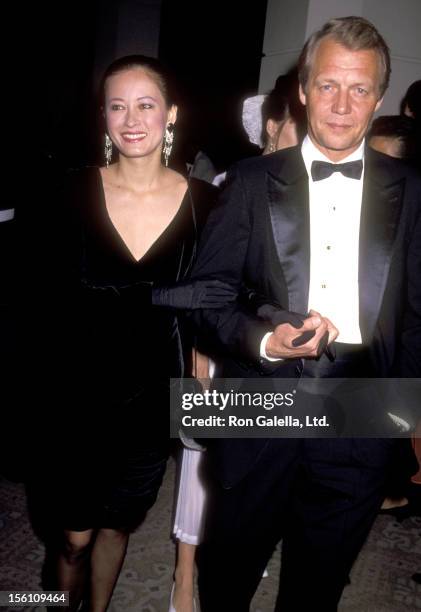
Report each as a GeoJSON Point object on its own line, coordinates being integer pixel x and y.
{"type": "Point", "coordinates": [339, 146]}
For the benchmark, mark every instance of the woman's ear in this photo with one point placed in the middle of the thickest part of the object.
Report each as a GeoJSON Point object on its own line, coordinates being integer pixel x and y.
{"type": "Point", "coordinates": [272, 127]}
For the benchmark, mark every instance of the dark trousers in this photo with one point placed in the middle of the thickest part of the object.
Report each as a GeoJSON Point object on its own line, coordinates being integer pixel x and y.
{"type": "Point", "coordinates": [320, 497]}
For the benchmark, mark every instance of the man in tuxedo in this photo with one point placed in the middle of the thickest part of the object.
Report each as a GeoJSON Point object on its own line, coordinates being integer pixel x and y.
{"type": "Point", "coordinates": [334, 229]}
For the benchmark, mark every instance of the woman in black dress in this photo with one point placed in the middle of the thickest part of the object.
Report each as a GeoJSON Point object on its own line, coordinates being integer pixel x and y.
{"type": "Point", "coordinates": [129, 239]}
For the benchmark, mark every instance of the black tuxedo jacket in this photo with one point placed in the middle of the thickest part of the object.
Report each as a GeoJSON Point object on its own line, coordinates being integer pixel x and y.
{"type": "Point", "coordinates": [259, 235]}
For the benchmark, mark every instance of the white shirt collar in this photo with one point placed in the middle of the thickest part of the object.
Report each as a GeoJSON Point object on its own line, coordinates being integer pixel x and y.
{"type": "Point", "coordinates": [310, 153]}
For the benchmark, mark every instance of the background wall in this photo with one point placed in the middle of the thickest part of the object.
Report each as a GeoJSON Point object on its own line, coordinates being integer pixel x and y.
{"type": "Point", "coordinates": [214, 49]}
{"type": "Point", "coordinates": [57, 52]}
{"type": "Point", "coordinates": [125, 27]}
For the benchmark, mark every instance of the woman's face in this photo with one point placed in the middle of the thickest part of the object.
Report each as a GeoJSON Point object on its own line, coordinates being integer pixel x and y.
{"type": "Point", "coordinates": [136, 113]}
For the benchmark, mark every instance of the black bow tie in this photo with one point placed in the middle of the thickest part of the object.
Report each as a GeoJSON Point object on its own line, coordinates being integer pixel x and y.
{"type": "Point", "coordinates": [321, 169]}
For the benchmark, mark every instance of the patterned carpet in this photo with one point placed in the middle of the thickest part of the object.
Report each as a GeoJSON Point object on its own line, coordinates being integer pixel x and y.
{"type": "Point", "coordinates": [380, 581]}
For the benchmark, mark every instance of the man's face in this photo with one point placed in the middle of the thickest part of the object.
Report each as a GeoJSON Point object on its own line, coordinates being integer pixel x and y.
{"type": "Point", "coordinates": [342, 93]}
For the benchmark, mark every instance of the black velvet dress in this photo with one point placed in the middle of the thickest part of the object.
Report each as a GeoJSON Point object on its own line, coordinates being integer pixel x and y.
{"type": "Point", "coordinates": [111, 355]}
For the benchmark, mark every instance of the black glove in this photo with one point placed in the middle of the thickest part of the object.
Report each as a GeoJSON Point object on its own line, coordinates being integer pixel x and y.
{"type": "Point", "coordinates": [269, 310]}
{"type": "Point", "coordinates": [277, 315]}
{"type": "Point", "coordinates": [273, 313]}
{"type": "Point", "coordinates": [187, 295]}
{"type": "Point", "coordinates": [192, 295]}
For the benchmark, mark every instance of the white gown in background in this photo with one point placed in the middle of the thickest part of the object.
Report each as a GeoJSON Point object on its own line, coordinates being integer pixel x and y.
{"type": "Point", "coordinates": [190, 510]}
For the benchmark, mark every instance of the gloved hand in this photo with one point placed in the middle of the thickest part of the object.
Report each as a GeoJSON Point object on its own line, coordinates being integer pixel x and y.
{"type": "Point", "coordinates": [191, 295]}
{"type": "Point", "coordinates": [277, 315]}
{"type": "Point", "coordinates": [269, 310]}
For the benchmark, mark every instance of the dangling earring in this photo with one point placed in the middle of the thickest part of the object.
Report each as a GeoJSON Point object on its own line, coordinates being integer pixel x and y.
{"type": "Point", "coordinates": [168, 142]}
{"type": "Point", "coordinates": [271, 146]}
{"type": "Point", "coordinates": [108, 150]}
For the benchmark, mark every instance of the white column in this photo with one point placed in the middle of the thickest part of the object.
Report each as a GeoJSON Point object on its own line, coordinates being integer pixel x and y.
{"type": "Point", "coordinates": [285, 31]}
{"type": "Point", "coordinates": [399, 22]}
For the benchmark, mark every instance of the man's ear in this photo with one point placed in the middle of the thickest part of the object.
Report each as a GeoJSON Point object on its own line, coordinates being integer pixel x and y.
{"type": "Point", "coordinates": [272, 128]}
{"type": "Point", "coordinates": [378, 105]}
{"type": "Point", "coordinates": [172, 114]}
{"type": "Point", "coordinates": [302, 96]}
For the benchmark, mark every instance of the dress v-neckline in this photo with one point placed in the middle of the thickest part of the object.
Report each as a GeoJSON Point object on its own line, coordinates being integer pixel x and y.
{"type": "Point", "coordinates": [118, 239]}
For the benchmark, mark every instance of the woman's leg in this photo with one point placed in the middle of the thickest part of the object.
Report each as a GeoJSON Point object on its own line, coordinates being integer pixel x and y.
{"type": "Point", "coordinates": [107, 558]}
{"type": "Point", "coordinates": [189, 517]}
{"type": "Point", "coordinates": [184, 577]}
{"type": "Point", "coordinates": [73, 565]}
{"type": "Point", "coordinates": [131, 493]}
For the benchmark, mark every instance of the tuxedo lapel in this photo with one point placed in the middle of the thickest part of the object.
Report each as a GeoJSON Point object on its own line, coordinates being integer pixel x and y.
{"type": "Point", "coordinates": [381, 206]}
{"type": "Point", "coordinates": [288, 199]}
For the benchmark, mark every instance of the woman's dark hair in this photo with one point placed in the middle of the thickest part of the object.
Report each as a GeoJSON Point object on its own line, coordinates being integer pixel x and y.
{"type": "Point", "coordinates": [153, 67]}
{"type": "Point", "coordinates": [283, 102]}
{"type": "Point", "coordinates": [275, 106]}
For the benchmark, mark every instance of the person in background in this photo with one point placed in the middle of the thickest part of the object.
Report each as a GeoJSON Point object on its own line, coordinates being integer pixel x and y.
{"type": "Point", "coordinates": [394, 135]}
{"type": "Point", "coordinates": [275, 120]}
{"type": "Point", "coordinates": [411, 102]}
{"type": "Point", "coordinates": [411, 107]}
{"type": "Point", "coordinates": [283, 115]}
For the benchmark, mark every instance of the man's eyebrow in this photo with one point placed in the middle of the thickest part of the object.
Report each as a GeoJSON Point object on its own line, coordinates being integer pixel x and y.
{"type": "Point", "coordinates": [367, 83]}
{"type": "Point", "coordinates": [326, 79]}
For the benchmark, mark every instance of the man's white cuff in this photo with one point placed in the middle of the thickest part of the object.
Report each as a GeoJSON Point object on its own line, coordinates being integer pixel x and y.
{"type": "Point", "coordinates": [263, 348]}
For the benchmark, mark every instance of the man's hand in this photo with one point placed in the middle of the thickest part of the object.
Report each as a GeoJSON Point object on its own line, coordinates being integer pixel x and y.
{"type": "Point", "coordinates": [280, 345]}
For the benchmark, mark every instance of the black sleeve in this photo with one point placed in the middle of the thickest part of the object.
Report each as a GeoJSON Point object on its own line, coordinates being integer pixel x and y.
{"type": "Point", "coordinates": [408, 356]}
{"type": "Point", "coordinates": [204, 199]}
{"type": "Point", "coordinates": [405, 401]}
{"type": "Point", "coordinates": [222, 255]}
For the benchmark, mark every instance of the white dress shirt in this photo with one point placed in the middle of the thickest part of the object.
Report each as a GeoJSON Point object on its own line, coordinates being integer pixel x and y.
{"type": "Point", "coordinates": [335, 209]}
